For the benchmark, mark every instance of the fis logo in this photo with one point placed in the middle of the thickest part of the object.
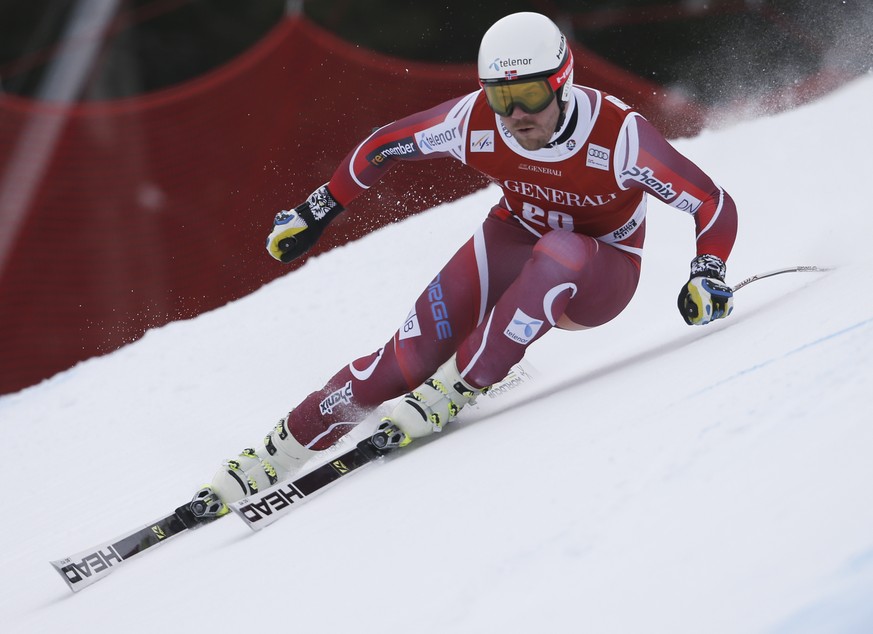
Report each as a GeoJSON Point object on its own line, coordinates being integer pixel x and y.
{"type": "Point", "coordinates": [482, 141]}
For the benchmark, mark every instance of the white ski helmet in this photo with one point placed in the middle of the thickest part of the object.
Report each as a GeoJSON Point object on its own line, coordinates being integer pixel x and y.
{"type": "Point", "coordinates": [525, 60]}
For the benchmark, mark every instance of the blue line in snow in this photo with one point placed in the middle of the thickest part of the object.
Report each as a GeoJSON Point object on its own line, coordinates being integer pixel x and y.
{"type": "Point", "coordinates": [805, 346]}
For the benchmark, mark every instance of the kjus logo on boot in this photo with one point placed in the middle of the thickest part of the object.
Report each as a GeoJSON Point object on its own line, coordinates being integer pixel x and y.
{"type": "Point", "coordinates": [523, 328]}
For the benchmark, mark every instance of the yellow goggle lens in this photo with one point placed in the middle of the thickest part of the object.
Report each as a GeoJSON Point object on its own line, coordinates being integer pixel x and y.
{"type": "Point", "coordinates": [532, 96]}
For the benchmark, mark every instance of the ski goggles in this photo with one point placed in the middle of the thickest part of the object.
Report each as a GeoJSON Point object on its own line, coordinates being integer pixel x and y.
{"type": "Point", "coordinates": [531, 95]}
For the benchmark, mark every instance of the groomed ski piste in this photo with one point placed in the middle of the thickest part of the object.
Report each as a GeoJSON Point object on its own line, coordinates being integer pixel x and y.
{"type": "Point", "coordinates": [654, 478]}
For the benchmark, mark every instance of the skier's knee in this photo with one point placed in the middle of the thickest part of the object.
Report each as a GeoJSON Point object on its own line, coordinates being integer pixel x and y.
{"type": "Point", "coordinates": [570, 250]}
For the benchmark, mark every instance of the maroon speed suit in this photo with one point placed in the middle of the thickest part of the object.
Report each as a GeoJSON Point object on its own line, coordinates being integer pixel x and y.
{"type": "Point", "coordinates": [562, 247]}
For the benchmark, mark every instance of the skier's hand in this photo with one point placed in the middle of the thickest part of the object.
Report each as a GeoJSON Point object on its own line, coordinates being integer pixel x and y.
{"type": "Point", "coordinates": [705, 296]}
{"type": "Point", "coordinates": [295, 231]}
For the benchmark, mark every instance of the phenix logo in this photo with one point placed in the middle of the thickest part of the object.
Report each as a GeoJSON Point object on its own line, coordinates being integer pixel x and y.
{"type": "Point", "coordinates": [645, 176]}
{"type": "Point", "coordinates": [342, 395]}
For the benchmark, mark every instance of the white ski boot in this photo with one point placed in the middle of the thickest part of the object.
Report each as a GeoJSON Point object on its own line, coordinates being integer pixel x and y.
{"type": "Point", "coordinates": [279, 457]}
{"type": "Point", "coordinates": [435, 403]}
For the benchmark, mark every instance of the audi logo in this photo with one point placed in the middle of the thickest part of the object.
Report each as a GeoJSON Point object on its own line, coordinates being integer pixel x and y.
{"type": "Point", "coordinates": [598, 153]}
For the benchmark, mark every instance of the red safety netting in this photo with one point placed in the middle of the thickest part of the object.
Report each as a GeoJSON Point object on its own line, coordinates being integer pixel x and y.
{"type": "Point", "coordinates": [121, 216]}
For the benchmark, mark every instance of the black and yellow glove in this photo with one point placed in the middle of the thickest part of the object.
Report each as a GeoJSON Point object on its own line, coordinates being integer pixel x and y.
{"type": "Point", "coordinates": [294, 232]}
{"type": "Point", "coordinates": [705, 296]}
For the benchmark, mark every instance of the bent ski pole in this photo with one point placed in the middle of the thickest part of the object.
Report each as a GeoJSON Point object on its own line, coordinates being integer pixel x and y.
{"type": "Point", "coordinates": [790, 269]}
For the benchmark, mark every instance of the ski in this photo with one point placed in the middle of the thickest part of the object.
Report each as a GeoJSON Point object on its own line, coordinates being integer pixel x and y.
{"type": "Point", "coordinates": [89, 566]}
{"type": "Point", "coordinates": [267, 506]}
{"type": "Point", "coordinates": [85, 568]}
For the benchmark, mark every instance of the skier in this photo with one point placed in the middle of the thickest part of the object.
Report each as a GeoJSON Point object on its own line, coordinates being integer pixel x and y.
{"type": "Point", "coordinates": [561, 248]}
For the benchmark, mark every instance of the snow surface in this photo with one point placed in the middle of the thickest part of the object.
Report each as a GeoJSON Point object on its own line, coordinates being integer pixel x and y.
{"type": "Point", "coordinates": [655, 478]}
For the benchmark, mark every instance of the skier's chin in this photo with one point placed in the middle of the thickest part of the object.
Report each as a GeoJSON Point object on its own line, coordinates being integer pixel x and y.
{"type": "Point", "coordinates": [531, 142]}
{"type": "Point", "coordinates": [530, 138]}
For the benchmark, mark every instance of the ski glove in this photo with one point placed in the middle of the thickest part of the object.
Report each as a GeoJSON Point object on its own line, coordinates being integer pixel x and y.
{"type": "Point", "coordinates": [295, 231]}
{"type": "Point", "coordinates": [705, 296]}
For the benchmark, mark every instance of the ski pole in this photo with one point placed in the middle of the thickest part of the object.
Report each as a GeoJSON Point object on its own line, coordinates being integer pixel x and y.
{"type": "Point", "coordinates": [790, 269]}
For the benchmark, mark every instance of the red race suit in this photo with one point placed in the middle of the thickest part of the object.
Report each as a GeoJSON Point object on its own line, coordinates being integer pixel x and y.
{"type": "Point", "coordinates": [561, 248]}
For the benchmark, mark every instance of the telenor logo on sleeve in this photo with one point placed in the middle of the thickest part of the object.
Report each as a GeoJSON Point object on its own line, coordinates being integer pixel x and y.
{"type": "Point", "coordinates": [439, 138]}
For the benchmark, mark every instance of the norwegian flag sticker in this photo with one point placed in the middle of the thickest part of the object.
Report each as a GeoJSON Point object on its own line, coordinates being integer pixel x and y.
{"type": "Point", "coordinates": [511, 74]}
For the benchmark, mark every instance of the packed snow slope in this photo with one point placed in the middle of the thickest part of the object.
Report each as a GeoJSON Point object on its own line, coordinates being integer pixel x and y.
{"type": "Point", "coordinates": [654, 478]}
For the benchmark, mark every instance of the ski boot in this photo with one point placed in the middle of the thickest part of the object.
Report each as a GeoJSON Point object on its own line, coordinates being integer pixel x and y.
{"type": "Point", "coordinates": [279, 457]}
{"type": "Point", "coordinates": [434, 404]}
